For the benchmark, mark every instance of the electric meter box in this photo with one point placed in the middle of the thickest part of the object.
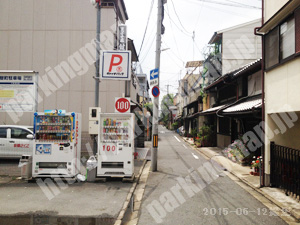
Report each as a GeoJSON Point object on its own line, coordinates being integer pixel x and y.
{"type": "Point", "coordinates": [57, 144]}
{"type": "Point", "coordinates": [93, 120]}
{"type": "Point", "coordinates": [115, 145]}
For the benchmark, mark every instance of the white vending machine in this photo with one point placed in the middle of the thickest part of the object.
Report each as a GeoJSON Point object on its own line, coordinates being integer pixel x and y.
{"type": "Point", "coordinates": [115, 145]}
{"type": "Point", "coordinates": [57, 144]}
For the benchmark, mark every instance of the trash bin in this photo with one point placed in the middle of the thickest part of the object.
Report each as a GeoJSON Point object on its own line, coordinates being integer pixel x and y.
{"type": "Point", "coordinates": [91, 169]}
{"type": "Point", "coordinates": [25, 164]}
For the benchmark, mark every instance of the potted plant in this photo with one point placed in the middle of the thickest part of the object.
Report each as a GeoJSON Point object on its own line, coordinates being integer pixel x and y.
{"type": "Point", "coordinates": [255, 165]}
{"type": "Point", "coordinates": [206, 136]}
{"type": "Point", "coordinates": [198, 142]}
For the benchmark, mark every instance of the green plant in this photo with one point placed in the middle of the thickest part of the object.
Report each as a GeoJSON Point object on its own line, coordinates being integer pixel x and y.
{"type": "Point", "coordinates": [194, 133]}
{"type": "Point", "coordinates": [206, 135]}
{"type": "Point", "coordinates": [175, 126]}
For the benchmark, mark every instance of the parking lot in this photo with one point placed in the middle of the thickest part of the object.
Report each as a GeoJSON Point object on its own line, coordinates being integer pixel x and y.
{"type": "Point", "coordinates": [9, 167]}
{"type": "Point", "coordinates": [78, 203]}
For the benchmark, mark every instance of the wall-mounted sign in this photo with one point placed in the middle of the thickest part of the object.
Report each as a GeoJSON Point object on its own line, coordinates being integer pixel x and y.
{"type": "Point", "coordinates": [122, 37]}
{"type": "Point", "coordinates": [18, 91]}
{"type": "Point", "coordinates": [115, 65]}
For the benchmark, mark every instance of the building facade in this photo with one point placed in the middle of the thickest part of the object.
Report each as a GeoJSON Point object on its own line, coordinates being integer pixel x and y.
{"type": "Point", "coordinates": [281, 40]}
{"type": "Point", "coordinates": [56, 38]}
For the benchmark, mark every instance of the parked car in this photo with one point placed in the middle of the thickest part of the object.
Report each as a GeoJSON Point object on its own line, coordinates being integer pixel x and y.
{"type": "Point", "coordinates": [15, 141]}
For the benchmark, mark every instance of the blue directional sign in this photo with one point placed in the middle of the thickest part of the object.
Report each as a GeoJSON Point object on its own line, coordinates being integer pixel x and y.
{"type": "Point", "coordinates": [154, 77]}
{"type": "Point", "coordinates": [155, 91]}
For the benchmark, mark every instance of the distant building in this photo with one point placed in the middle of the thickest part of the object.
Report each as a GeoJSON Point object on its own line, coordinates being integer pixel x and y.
{"type": "Point", "coordinates": [144, 88]}
{"type": "Point", "coordinates": [231, 48]}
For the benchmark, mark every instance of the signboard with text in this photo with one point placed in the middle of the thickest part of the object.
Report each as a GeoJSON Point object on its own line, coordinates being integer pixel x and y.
{"type": "Point", "coordinates": [115, 65]}
{"type": "Point", "coordinates": [154, 77]}
{"type": "Point", "coordinates": [122, 105]}
{"type": "Point", "coordinates": [18, 91]}
{"type": "Point", "coordinates": [122, 37]}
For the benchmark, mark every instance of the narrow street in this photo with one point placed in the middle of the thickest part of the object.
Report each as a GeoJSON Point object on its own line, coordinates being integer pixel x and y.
{"type": "Point", "coordinates": [220, 202]}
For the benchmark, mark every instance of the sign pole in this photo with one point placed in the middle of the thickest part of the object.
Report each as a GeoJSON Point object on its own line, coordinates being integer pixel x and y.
{"type": "Point", "coordinates": [156, 99]}
{"type": "Point", "coordinates": [97, 79]}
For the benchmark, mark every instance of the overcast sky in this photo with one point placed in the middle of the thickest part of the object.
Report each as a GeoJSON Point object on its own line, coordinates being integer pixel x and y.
{"type": "Point", "coordinates": [197, 16]}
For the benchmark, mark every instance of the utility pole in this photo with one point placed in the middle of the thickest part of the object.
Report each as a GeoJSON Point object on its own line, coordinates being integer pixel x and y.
{"type": "Point", "coordinates": [97, 77]}
{"type": "Point", "coordinates": [156, 100]}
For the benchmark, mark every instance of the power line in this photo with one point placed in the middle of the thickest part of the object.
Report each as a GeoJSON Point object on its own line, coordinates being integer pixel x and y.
{"type": "Point", "coordinates": [184, 32]}
{"type": "Point", "coordinates": [148, 50]}
{"type": "Point", "coordinates": [178, 17]}
{"type": "Point", "coordinates": [174, 35]}
{"type": "Point", "coordinates": [228, 4]}
{"type": "Point", "coordinates": [174, 52]}
{"type": "Point", "coordinates": [146, 26]}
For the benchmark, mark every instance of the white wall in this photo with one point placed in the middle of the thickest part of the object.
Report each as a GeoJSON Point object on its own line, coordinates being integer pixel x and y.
{"type": "Point", "coordinates": [282, 87]}
{"type": "Point", "coordinates": [271, 7]}
{"type": "Point", "coordinates": [240, 47]}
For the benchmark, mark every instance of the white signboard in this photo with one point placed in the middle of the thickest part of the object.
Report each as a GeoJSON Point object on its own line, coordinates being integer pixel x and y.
{"type": "Point", "coordinates": [115, 65]}
{"type": "Point", "coordinates": [122, 37]}
{"type": "Point", "coordinates": [18, 91]}
{"type": "Point", "coordinates": [122, 105]}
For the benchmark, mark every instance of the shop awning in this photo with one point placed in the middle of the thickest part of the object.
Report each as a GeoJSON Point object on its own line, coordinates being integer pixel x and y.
{"type": "Point", "coordinates": [244, 107]}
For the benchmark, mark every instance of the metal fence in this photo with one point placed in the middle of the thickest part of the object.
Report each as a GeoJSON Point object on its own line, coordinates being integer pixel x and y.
{"type": "Point", "coordinates": [285, 169]}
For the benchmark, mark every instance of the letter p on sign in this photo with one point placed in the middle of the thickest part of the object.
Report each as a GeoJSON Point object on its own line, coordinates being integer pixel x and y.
{"type": "Point", "coordinates": [115, 65]}
{"type": "Point", "coordinates": [114, 62]}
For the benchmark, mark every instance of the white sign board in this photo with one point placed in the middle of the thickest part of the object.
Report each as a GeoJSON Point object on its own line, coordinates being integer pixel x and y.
{"type": "Point", "coordinates": [115, 65]}
{"type": "Point", "coordinates": [154, 77]}
{"type": "Point", "coordinates": [122, 37]}
{"type": "Point", "coordinates": [18, 91]}
{"type": "Point", "coordinates": [122, 105]}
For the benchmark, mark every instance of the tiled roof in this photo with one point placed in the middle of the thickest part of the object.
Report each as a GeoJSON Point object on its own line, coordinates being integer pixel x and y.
{"type": "Point", "coordinates": [244, 106]}
{"type": "Point", "coordinates": [213, 109]}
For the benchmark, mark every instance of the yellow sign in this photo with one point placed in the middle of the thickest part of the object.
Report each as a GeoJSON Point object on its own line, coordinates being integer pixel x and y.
{"type": "Point", "coordinates": [7, 93]}
{"type": "Point", "coordinates": [155, 141]}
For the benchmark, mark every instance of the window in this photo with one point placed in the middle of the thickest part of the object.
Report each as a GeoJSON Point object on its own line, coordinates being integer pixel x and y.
{"type": "Point", "coordinates": [19, 133]}
{"type": "Point", "coordinates": [280, 43]}
{"type": "Point", "coordinates": [287, 38]}
{"type": "Point", "coordinates": [271, 51]}
{"type": "Point", "coordinates": [3, 132]}
{"type": "Point", "coordinates": [297, 29]}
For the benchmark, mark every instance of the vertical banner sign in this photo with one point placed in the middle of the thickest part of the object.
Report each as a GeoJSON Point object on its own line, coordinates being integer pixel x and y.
{"type": "Point", "coordinates": [122, 105]}
{"type": "Point", "coordinates": [115, 65]}
{"type": "Point", "coordinates": [122, 37]}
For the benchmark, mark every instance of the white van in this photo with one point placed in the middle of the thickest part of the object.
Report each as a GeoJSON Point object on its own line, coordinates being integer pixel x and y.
{"type": "Point", "coordinates": [15, 141]}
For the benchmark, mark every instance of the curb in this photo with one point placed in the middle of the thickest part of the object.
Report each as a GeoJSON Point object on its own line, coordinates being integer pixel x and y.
{"type": "Point", "coordinates": [139, 194]}
{"type": "Point", "coordinates": [129, 196]}
{"type": "Point", "coordinates": [293, 213]}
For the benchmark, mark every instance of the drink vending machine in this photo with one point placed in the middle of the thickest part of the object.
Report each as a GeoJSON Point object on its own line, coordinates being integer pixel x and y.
{"type": "Point", "coordinates": [57, 144]}
{"type": "Point", "coordinates": [116, 145]}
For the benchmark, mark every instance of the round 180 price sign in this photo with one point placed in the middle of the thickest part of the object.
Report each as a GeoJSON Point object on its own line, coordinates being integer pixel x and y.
{"type": "Point", "coordinates": [122, 105]}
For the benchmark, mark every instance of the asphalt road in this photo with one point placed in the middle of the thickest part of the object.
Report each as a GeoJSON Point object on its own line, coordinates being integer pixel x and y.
{"type": "Point", "coordinates": [215, 200]}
